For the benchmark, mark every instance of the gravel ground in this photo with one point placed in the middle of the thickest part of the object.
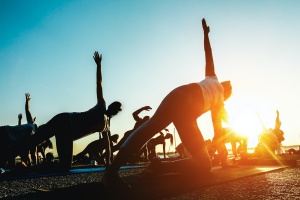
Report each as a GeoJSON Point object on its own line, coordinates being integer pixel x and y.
{"type": "Point", "coordinates": [279, 184]}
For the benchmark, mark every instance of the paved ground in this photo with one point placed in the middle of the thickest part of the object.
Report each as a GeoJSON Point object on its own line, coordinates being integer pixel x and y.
{"type": "Point", "coordinates": [279, 184]}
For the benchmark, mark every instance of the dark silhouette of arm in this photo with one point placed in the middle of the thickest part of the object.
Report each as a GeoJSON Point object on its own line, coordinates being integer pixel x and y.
{"type": "Point", "coordinates": [136, 113]}
{"type": "Point", "coordinates": [209, 66]}
{"type": "Point", "coordinates": [277, 121]}
{"type": "Point", "coordinates": [98, 60]}
{"type": "Point", "coordinates": [100, 99]}
{"type": "Point", "coordinates": [27, 109]}
{"type": "Point", "coordinates": [19, 119]}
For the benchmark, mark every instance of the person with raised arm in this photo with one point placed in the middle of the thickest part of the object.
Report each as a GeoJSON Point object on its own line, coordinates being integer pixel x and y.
{"type": "Point", "coordinates": [182, 106]}
{"type": "Point", "coordinates": [138, 121]}
{"type": "Point", "coordinates": [15, 140]}
{"type": "Point", "coordinates": [31, 120]}
{"type": "Point", "coordinates": [153, 142]}
{"type": "Point", "coordinates": [67, 127]}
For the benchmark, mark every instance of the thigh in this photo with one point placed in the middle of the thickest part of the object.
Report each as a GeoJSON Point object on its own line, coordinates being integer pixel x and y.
{"type": "Point", "coordinates": [172, 108]}
{"type": "Point", "coordinates": [60, 123]}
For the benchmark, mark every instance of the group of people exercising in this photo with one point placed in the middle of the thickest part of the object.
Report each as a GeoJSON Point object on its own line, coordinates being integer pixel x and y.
{"type": "Point", "coordinates": [182, 106]}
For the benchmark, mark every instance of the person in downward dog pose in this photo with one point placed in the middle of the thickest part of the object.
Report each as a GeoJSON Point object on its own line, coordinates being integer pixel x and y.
{"type": "Point", "coordinates": [182, 106]}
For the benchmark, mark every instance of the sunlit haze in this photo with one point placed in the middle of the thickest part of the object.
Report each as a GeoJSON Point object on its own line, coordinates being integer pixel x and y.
{"type": "Point", "coordinates": [150, 47]}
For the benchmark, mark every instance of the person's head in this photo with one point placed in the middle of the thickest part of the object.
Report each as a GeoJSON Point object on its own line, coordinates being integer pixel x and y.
{"type": "Point", "coordinates": [49, 157]}
{"type": "Point", "coordinates": [169, 136]}
{"type": "Point", "coordinates": [227, 89]}
{"type": "Point", "coordinates": [114, 138]}
{"type": "Point", "coordinates": [114, 108]}
{"type": "Point", "coordinates": [146, 118]}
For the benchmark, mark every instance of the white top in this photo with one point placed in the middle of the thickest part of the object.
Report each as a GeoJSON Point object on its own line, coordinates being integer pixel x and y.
{"type": "Point", "coordinates": [212, 93]}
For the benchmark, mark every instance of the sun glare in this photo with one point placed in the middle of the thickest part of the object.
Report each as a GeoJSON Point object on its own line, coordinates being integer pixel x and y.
{"type": "Point", "coordinates": [248, 116]}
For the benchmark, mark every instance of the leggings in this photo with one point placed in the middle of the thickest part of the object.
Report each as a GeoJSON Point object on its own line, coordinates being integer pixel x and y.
{"type": "Point", "coordinates": [59, 126]}
{"type": "Point", "coordinates": [182, 106]}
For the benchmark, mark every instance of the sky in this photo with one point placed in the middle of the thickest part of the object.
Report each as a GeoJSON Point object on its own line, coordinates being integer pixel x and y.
{"type": "Point", "coordinates": [149, 48]}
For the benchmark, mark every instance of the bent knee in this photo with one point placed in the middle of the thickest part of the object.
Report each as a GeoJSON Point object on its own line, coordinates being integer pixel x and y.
{"type": "Point", "coordinates": [203, 161]}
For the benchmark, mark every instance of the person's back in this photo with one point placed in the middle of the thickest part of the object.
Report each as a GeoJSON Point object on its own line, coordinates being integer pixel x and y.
{"type": "Point", "coordinates": [88, 122]}
{"type": "Point", "coordinates": [14, 142]}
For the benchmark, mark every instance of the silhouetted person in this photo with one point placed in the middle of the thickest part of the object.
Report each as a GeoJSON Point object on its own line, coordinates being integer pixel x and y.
{"type": "Point", "coordinates": [31, 120]}
{"type": "Point", "coordinates": [277, 131]}
{"type": "Point", "coordinates": [269, 140]}
{"type": "Point", "coordinates": [138, 121]}
{"type": "Point", "coordinates": [153, 142]}
{"type": "Point", "coordinates": [15, 139]}
{"type": "Point", "coordinates": [12, 161]}
{"type": "Point", "coordinates": [233, 137]}
{"type": "Point", "coordinates": [70, 126]}
{"type": "Point", "coordinates": [182, 106]}
{"type": "Point", "coordinates": [25, 158]}
{"type": "Point", "coordinates": [95, 150]}
{"type": "Point", "coordinates": [41, 148]}
{"type": "Point", "coordinates": [49, 158]}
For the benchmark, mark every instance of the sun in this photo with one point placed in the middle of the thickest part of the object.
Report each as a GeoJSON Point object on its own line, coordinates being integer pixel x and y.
{"type": "Point", "coordinates": [248, 115]}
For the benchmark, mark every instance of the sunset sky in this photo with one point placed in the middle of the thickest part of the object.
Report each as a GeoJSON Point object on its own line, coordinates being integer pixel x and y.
{"type": "Point", "coordinates": [150, 47]}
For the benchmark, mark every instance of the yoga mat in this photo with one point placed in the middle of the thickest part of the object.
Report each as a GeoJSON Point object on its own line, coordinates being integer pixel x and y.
{"type": "Point", "coordinates": [157, 187]}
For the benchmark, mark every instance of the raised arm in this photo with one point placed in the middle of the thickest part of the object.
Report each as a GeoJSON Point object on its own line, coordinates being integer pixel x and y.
{"type": "Point", "coordinates": [19, 119]}
{"type": "Point", "coordinates": [136, 113]}
{"type": "Point", "coordinates": [277, 121]}
{"type": "Point", "coordinates": [98, 60]}
{"type": "Point", "coordinates": [27, 109]}
{"type": "Point", "coordinates": [209, 66]}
